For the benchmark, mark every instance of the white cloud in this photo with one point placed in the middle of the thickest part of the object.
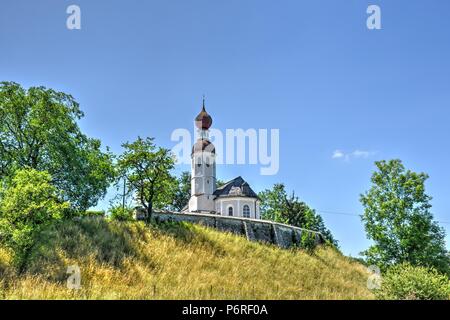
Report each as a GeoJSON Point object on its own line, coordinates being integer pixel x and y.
{"type": "Point", "coordinates": [362, 154]}
{"type": "Point", "coordinates": [357, 154]}
{"type": "Point", "coordinates": [338, 154]}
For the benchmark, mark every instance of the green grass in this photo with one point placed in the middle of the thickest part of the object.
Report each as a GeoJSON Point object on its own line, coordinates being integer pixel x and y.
{"type": "Point", "coordinates": [130, 260]}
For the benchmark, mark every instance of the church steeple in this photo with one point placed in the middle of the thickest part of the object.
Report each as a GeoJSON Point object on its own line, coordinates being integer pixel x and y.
{"type": "Point", "coordinates": [203, 169]}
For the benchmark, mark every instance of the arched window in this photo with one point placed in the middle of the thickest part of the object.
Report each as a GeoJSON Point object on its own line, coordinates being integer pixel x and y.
{"type": "Point", "coordinates": [246, 211]}
{"type": "Point", "coordinates": [230, 211]}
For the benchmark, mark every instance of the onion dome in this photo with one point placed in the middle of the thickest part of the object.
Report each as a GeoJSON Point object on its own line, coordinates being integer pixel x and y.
{"type": "Point", "coordinates": [203, 145]}
{"type": "Point", "coordinates": [203, 121]}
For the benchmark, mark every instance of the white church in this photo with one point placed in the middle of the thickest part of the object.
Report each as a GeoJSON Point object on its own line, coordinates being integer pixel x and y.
{"type": "Point", "coordinates": [235, 198]}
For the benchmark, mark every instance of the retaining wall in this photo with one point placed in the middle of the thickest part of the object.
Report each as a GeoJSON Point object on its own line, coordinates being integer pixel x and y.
{"type": "Point", "coordinates": [282, 235]}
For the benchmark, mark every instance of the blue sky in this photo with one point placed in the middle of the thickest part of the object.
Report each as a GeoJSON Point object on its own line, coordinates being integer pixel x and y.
{"type": "Point", "coordinates": [308, 68]}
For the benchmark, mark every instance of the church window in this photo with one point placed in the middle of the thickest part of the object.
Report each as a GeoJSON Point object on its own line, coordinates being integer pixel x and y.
{"type": "Point", "coordinates": [230, 211]}
{"type": "Point", "coordinates": [246, 211]}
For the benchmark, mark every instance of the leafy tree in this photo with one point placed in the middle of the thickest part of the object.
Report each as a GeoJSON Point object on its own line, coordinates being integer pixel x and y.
{"type": "Point", "coordinates": [147, 170]}
{"type": "Point", "coordinates": [183, 192]}
{"type": "Point", "coordinates": [397, 218]}
{"type": "Point", "coordinates": [277, 206]}
{"type": "Point", "coordinates": [39, 130]}
{"type": "Point", "coordinates": [273, 203]}
{"type": "Point", "coordinates": [29, 203]}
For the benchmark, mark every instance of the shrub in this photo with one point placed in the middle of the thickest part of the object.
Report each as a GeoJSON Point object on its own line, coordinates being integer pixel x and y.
{"type": "Point", "coordinates": [93, 213]}
{"type": "Point", "coordinates": [71, 213]}
{"type": "Point", "coordinates": [29, 203]}
{"type": "Point", "coordinates": [119, 213]}
{"type": "Point", "coordinates": [406, 282]}
{"type": "Point", "coordinates": [308, 241]}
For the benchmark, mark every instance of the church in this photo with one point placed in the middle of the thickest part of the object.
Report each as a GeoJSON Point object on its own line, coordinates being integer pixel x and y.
{"type": "Point", "coordinates": [235, 198]}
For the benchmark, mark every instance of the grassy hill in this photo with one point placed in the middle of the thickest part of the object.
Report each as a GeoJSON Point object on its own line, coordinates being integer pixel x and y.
{"type": "Point", "coordinates": [175, 261]}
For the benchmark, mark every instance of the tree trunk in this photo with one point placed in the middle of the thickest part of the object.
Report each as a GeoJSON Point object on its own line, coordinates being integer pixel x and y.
{"type": "Point", "coordinates": [149, 212]}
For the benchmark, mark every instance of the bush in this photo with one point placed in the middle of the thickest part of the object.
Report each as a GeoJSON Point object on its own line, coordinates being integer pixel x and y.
{"type": "Point", "coordinates": [406, 282]}
{"type": "Point", "coordinates": [29, 203]}
{"type": "Point", "coordinates": [71, 213]}
{"type": "Point", "coordinates": [119, 213]}
{"type": "Point", "coordinates": [94, 213]}
{"type": "Point", "coordinates": [308, 241]}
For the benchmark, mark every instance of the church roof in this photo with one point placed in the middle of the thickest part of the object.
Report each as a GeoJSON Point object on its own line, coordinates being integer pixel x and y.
{"type": "Point", "coordinates": [237, 187]}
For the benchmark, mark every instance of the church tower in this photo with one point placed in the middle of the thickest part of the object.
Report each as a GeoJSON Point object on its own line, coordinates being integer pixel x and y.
{"type": "Point", "coordinates": [203, 167]}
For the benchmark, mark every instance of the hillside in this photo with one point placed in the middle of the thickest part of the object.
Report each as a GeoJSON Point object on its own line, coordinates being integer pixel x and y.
{"type": "Point", "coordinates": [175, 261]}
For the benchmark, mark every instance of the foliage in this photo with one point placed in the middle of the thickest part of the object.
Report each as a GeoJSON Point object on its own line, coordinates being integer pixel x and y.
{"type": "Point", "coordinates": [219, 183]}
{"type": "Point", "coordinates": [147, 171]}
{"type": "Point", "coordinates": [93, 213]}
{"type": "Point", "coordinates": [28, 204]}
{"type": "Point", "coordinates": [133, 260]}
{"type": "Point", "coordinates": [397, 218]}
{"type": "Point", "coordinates": [120, 213]}
{"type": "Point", "coordinates": [277, 206]}
{"type": "Point", "coordinates": [39, 130]}
{"type": "Point", "coordinates": [308, 241]}
{"type": "Point", "coordinates": [406, 282]}
{"type": "Point", "coordinates": [183, 192]}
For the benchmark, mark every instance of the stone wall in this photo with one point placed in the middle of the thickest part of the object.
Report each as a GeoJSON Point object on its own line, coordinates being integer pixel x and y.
{"type": "Point", "coordinates": [282, 235]}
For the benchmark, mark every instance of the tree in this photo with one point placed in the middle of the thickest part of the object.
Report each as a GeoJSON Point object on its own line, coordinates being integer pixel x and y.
{"type": "Point", "coordinates": [147, 171]}
{"type": "Point", "coordinates": [183, 192]}
{"type": "Point", "coordinates": [273, 203]}
{"type": "Point", "coordinates": [39, 130]}
{"type": "Point", "coordinates": [28, 204]}
{"type": "Point", "coordinates": [397, 218]}
{"type": "Point", "coordinates": [277, 206]}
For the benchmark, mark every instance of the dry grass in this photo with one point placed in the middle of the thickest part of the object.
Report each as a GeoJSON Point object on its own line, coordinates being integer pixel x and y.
{"type": "Point", "coordinates": [177, 261]}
